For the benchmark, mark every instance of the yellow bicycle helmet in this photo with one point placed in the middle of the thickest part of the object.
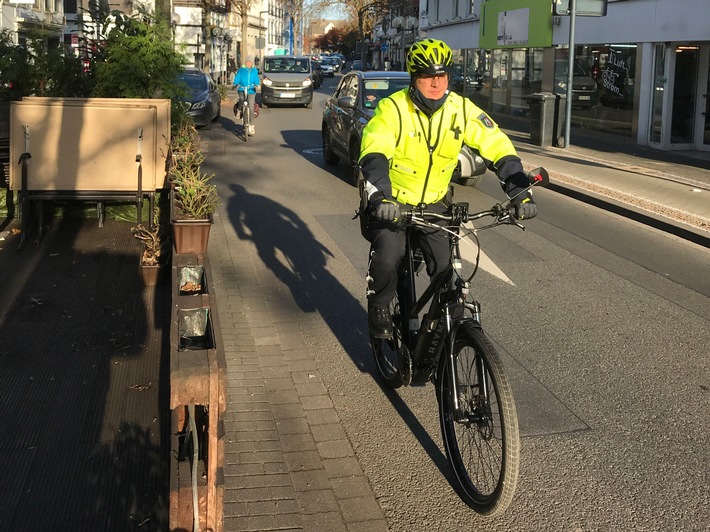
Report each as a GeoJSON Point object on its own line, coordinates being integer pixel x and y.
{"type": "Point", "coordinates": [430, 57]}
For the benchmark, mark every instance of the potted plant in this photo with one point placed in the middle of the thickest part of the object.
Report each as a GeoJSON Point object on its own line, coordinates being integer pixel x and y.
{"type": "Point", "coordinates": [193, 199]}
{"type": "Point", "coordinates": [151, 249]}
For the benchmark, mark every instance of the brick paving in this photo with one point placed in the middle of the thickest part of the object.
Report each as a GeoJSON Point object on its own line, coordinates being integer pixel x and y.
{"type": "Point", "coordinates": [288, 462]}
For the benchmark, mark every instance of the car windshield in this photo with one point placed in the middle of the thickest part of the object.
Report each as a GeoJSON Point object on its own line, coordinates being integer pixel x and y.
{"type": "Point", "coordinates": [458, 71]}
{"type": "Point", "coordinates": [561, 69]}
{"type": "Point", "coordinates": [282, 65]}
{"type": "Point", "coordinates": [194, 81]}
{"type": "Point", "coordinates": [376, 89]}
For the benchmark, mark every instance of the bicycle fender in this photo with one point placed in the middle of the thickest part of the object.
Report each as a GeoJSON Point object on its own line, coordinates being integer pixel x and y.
{"type": "Point", "coordinates": [463, 324]}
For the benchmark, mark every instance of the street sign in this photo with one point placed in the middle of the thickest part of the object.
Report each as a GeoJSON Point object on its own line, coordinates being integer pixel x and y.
{"type": "Point", "coordinates": [584, 8]}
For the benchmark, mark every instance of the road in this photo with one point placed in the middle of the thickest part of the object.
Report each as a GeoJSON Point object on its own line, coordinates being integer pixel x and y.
{"type": "Point", "coordinates": [604, 330]}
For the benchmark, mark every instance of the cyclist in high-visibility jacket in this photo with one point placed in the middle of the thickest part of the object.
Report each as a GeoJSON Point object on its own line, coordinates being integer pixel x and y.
{"type": "Point", "coordinates": [408, 153]}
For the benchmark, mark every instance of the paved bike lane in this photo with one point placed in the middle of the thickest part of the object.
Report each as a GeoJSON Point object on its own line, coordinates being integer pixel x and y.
{"type": "Point", "coordinates": [289, 463]}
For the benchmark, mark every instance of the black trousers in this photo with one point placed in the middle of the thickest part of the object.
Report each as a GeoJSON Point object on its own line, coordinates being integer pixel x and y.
{"type": "Point", "coordinates": [387, 252]}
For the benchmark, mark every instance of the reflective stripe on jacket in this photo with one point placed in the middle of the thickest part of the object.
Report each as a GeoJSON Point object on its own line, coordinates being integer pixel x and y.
{"type": "Point", "coordinates": [423, 152]}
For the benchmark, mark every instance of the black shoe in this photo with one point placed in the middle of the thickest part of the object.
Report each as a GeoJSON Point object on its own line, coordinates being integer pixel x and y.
{"type": "Point", "coordinates": [380, 321]}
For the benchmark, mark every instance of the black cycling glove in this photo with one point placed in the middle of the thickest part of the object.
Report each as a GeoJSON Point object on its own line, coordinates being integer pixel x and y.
{"type": "Point", "coordinates": [383, 209]}
{"type": "Point", "coordinates": [522, 202]}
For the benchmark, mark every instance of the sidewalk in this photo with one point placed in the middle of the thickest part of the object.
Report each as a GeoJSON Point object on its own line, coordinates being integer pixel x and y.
{"type": "Point", "coordinates": [669, 190]}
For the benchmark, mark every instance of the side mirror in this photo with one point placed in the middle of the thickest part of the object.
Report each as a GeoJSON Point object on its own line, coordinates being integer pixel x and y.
{"type": "Point", "coordinates": [539, 177]}
{"type": "Point", "coordinates": [347, 102]}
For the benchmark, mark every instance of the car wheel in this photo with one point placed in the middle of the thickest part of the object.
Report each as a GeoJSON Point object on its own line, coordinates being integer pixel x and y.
{"type": "Point", "coordinates": [470, 181]}
{"type": "Point", "coordinates": [354, 158]}
{"type": "Point", "coordinates": [328, 155]}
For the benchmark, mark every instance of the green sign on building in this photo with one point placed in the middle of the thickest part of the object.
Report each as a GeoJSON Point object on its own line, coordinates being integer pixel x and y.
{"type": "Point", "coordinates": [516, 24]}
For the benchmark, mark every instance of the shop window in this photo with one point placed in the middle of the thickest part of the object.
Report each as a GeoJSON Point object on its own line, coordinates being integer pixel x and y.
{"type": "Point", "coordinates": [603, 86]}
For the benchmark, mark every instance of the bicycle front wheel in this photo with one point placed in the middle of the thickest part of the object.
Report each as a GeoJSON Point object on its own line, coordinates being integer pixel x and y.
{"type": "Point", "coordinates": [481, 437]}
{"type": "Point", "coordinates": [391, 356]}
{"type": "Point", "coordinates": [245, 122]}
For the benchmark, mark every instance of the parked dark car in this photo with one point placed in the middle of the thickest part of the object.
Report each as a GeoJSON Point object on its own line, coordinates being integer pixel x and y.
{"type": "Point", "coordinates": [202, 96]}
{"type": "Point", "coordinates": [353, 104]}
{"type": "Point", "coordinates": [316, 74]}
{"type": "Point", "coordinates": [584, 88]}
{"type": "Point", "coordinates": [465, 84]}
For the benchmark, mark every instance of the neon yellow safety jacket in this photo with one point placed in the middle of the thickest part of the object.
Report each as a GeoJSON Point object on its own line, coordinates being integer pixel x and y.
{"type": "Point", "coordinates": [422, 152]}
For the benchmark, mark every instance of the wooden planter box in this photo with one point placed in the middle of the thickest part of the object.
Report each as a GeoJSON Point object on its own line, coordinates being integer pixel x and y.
{"type": "Point", "coordinates": [151, 274]}
{"type": "Point", "coordinates": [198, 377]}
{"type": "Point", "coordinates": [191, 236]}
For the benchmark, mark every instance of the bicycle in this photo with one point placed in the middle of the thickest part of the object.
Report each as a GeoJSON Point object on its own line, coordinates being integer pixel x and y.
{"type": "Point", "coordinates": [477, 412]}
{"type": "Point", "coordinates": [246, 120]}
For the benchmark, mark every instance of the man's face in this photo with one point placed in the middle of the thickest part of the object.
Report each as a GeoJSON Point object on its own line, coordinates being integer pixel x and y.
{"type": "Point", "coordinates": [432, 87]}
{"type": "Point", "coordinates": [249, 64]}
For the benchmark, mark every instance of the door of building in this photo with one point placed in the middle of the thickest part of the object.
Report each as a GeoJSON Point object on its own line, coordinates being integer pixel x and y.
{"type": "Point", "coordinates": [680, 106]}
{"type": "Point", "coordinates": [703, 132]}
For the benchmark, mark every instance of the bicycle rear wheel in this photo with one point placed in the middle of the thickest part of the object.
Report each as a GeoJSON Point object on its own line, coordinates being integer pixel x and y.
{"type": "Point", "coordinates": [391, 355]}
{"type": "Point", "coordinates": [482, 441]}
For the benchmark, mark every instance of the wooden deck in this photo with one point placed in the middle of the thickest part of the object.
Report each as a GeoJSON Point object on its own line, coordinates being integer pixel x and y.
{"type": "Point", "coordinates": [84, 402]}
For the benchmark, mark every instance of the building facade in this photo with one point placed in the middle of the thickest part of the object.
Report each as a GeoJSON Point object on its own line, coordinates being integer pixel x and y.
{"type": "Point", "coordinates": [21, 17]}
{"type": "Point", "coordinates": [642, 70]}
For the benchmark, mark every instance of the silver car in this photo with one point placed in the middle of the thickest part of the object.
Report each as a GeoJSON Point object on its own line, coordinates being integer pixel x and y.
{"type": "Point", "coordinates": [327, 67]}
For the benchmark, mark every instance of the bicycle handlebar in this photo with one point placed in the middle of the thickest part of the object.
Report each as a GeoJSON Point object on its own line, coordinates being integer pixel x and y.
{"type": "Point", "coordinates": [458, 213]}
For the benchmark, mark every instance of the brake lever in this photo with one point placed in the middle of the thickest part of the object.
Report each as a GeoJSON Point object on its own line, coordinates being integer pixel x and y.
{"type": "Point", "coordinates": [506, 217]}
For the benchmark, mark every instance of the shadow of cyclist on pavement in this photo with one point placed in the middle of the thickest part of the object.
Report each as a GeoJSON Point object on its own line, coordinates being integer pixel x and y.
{"type": "Point", "coordinates": [288, 248]}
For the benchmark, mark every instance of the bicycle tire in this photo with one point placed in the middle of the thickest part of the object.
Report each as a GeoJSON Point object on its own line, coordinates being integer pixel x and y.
{"type": "Point", "coordinates": [391, 356]}
{"type": "Point", "coordinates": [245, 121]}
{"type": "Point", "coordinates": [483, 450]}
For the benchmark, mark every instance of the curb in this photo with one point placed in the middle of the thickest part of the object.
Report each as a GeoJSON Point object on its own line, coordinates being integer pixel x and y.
{"type": "Point", "coordinates": [681, 224]}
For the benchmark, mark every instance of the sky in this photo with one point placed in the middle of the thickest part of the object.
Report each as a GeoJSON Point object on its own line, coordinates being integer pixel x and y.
{"type": "Point", "coordinates": [335, 13]}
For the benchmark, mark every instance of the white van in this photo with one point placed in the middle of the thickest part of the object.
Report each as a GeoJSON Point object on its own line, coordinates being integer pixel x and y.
{"type": "Point", "coordinates": [287, 79]}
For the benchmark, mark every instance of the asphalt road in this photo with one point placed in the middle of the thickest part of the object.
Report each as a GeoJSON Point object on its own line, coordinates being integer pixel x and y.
{"type": "Point", "coordinates": [603, 329]}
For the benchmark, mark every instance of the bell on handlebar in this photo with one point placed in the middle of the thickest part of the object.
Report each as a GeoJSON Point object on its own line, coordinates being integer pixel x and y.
{"type": "Point", "coordinates": [539, 177]}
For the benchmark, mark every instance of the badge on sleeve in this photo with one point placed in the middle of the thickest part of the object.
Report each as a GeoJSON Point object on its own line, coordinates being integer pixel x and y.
{"type": "Point", "coordinates": [486, 121]}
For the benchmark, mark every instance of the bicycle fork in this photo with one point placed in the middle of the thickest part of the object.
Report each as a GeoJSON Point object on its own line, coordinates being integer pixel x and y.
{"type": "Point", "coordinates": [474, 414]}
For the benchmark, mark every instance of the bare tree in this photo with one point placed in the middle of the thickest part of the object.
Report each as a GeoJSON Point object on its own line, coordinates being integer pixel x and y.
{"type": "Point", "coordinates": [242, 8]}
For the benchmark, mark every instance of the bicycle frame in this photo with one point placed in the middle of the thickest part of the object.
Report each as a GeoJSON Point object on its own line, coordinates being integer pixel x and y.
{"type": "Point", "coordinates": [246, 120]}
{"type": "Point", "coordinates": [426, 339]}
